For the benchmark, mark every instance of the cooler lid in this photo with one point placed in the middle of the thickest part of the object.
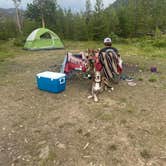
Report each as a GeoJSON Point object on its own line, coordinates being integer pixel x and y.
{"type": "Point", "coordinates": [51, 75]}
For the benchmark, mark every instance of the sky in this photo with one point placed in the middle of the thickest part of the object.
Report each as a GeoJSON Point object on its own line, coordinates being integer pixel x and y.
{"type": "Point", "coordinates": [75, 5]}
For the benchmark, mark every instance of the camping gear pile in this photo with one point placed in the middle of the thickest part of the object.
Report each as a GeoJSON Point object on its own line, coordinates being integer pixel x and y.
{"type": "Point", "coordinates": [74, 62]}
{"type": "Point", "coordinates": [107, 63]}
{"type": "Point", "coordinates": [129, 73]}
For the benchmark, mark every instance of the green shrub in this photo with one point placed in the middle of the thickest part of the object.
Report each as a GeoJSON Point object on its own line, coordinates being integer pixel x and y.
{"type": "Point", "coordinates": [8, 29]}
{"type": "Point", "coordinates": [140, 79]}
{"type": "Point", "coordinates": [114, 37]}
{"type": "Point", "coordinates": [158, 33]}
{"type": "Point", "coordinates": [153, 78]}
{"type": "Point", "coordinates": [159, 43]}
{"type": "Point", "coordinates": [19, 41]}
{"type": "Point", "coordinates": [145, 154]}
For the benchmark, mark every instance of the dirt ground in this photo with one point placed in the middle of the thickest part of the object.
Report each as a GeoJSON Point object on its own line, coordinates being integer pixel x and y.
{"type": "Point", "coordinates": [126, 128]}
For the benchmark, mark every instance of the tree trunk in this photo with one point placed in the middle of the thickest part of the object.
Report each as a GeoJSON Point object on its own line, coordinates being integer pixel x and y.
{"type": "Point", "coordinates": [43, 21]}
{"type": "Point", "coordinates": [18, 20]}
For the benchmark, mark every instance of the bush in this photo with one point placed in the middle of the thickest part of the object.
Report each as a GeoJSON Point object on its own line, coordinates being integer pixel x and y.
{"type": "Point", "coordinates": [159, 43]}
{"type": "Point", "coordinates": [19, 41]}
{"type": "Point", "coordinates": [158, 33]}
{"type": "Point", "coordinates": [8, 29]}
{"type": "Point", "coordinates": [153, 78]}
{"type": "Point", "coordinates": [114, 37]}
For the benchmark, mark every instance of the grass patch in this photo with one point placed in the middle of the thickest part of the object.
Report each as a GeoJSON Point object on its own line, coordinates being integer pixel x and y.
{"type": "Point", "coordinates": [112, 147]}
{"type": "Point", "coordinates": [153, 78]}
{"type": "Point", "coordinates": [145, 154]}
{"type": "Point", "coordinates": [164, 87]}
{"type": "Point", "coordinates": [130, 110]}
{"type": "Point", "coordinates": [140, 79]}
{"type": "Point", "coordinates": [82, 45]}
{"type": "Point", "coordinates": [146, 51]}
{"type": "Point", "coordinates": [127, 47]}
{"type": "Point", "coordinates": [123, 121]}
{"type": "Point", "coordinates": [49, 160]}
{"type": "Point", "coordinates": [106, 117]}
{"type": "Point", "coordinates": [7, 49]}
{"type": "Point", "coordinates": [123, 100]}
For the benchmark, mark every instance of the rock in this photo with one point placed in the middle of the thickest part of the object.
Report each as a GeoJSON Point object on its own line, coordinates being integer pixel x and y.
{"type": "Point", "coordinates": [13, 131]}
{"type": "Point", "coordinates": [25, 140]}
{"type": "Point", "coordinates": [9, 148]}
{"type": "Point", "coordinates": [2, 149]}
{"type": "Point", "coordinates": [19, 157]}
{"type": "Point", "coordinates": [140, 71]}
{"type": "Point", "coordinates": [122, 105]}
{"type": "Point", "coordinates": [27, 158]}
{"type": "Point", "coordinates": [61, 146]}
{"type": "Point", "coordinates": [92, 164]}
{"type": "Point", "coordinates": [21, 126]}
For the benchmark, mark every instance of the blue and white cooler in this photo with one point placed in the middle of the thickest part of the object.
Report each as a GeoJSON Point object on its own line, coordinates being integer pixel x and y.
{"type": "Point", "coordinates": [51, 81]}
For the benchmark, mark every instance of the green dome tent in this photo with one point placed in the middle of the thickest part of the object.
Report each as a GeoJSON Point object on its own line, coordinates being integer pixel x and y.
{"type": "Point", "coordinates": [43, 38]}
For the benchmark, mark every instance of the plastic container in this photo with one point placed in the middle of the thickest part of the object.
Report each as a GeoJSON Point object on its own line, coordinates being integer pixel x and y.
{"type": "Point", "coordinates": [51, 81]}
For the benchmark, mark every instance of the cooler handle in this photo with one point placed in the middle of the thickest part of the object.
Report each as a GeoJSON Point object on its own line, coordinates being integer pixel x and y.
{"type": "Point", "coordinates": [62, 80]}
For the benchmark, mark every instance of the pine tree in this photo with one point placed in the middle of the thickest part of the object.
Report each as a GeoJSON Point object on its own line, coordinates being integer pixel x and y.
{"type": "Point", "coordinates": [43, 10]}
{"type": "Point", "coordinates": [99, 21]}
{"type": "Point", "coordinates": [99, 6]}
{"type": "Point", "coordinates": [88, 19]}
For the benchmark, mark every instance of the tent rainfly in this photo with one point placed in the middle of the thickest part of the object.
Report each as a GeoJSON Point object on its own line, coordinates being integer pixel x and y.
{"type": "Point", "coordinates": [43, 38]}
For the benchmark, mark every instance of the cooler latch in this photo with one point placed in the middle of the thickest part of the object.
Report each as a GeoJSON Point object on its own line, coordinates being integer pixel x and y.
{"type": "Point", "coordinates": [62, 80]}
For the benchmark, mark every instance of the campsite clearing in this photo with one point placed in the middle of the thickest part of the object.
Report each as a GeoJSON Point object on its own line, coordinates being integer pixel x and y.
{"type": "Point", "coordinates": [126, 128]}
